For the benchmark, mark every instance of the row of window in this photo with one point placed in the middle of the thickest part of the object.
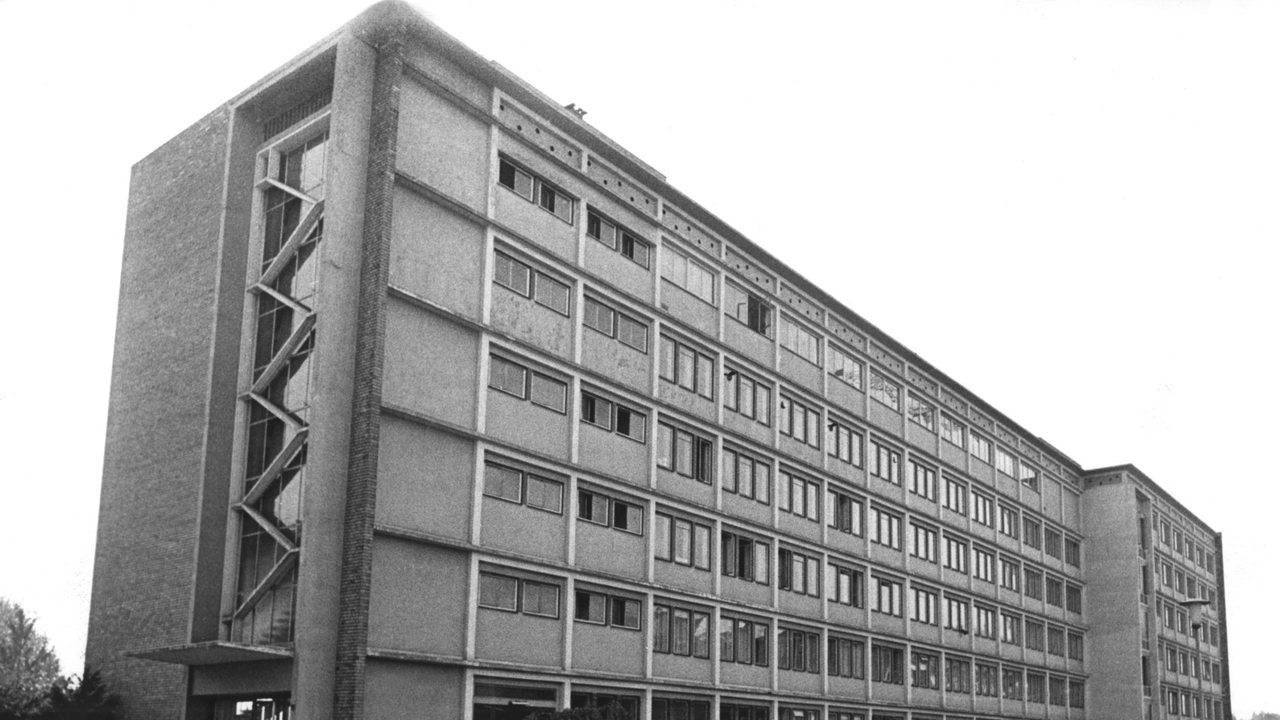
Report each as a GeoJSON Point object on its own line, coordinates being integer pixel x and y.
{"type": "Point", "coordinates": [1183, 662]}
{"type": "Point", "coordinates": [1188, 704]}
{"type": "Point", "coordinates": [753, 311]}
{"type": "Point", "coordinates": [691, 455]}
{"type": "Point", "coordinates": [1173, 536]}
{"type": "Point", "coordinates": [1186, 583]}
{"type": "Point", "coordinates": [1177, 618]}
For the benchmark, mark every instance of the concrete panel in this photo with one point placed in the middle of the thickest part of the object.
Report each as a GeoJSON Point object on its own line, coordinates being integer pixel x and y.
{"type": "Point", "coordinates": [689, 309]}
{"type": "Point", "coordinates": [678, 667]}
{"type": "Point", "coordinates": [403, 691]}
{"type": "Point", "coordinates": [613, 454]}
{"type": "Point", "coordinates": [424, 479]}
{"type": "Point", "coordinates": [617, 361]}
{"type": "Point", "coordinates": [685, 578]}
{"type": "Point", "coordinates": [923, 438]}
{"type": "Point", "coordinates": [690, 402]}
{"type": "Point", "coordinates": [436, 254]}
{"type": "Point", "coordinates": [744, 425]}
{"type": "Point", "coordinates": [748, 343]}
{"type": "Point", "coordinates": [800, 372]}
{"type": "Point", "coordinates": [524, 319]}
{"type": "Point", "coordinates": [680, 486]}
{"type": "Point", "coordinates": [803, 682]}
{"type": "Point", "coordinates": [800, 451]}
{"type": "Point", "coordinates": [744, 676]}
{"type": "Point", "coordinates": [738, 506]}
{"type": "Point", "coordinates": [954, 456]}
{"type": "Point", "coordinates": [527, 425]}
{"type": "Point", "coordinates": [847, 688]}
{"type": "Point", "coordinates": [885, 418]}
{"type": "Point", "coordinates": [621, 273]}
{"type": "Point", "coordinates": [424, 59]}
{"type": "Point", "coordinates": [266, 677]}
{"type": "Point", "coordinates": [430, 364]}
{"type": "Point", "coordinates": [418, 599]}
{"type": "Point", "coordinates": [608, 550]}
{"type": "Point", "coordinates": [885, 693]}
{"type": "Point", "coordinates": [442, 145]}
{"type": "Point", "coordinates": [522, 529]}
{"type": "Point", "coordinates": [800, 527]}
{"type": "Point", "coordinates": [847, 615]}
{"type": "Point", "coordinates": [520, 638]}
{"type": "Point", "coordinates": [747, 592]}
{"type": "Point", "coordinates": [802, 605]}
{"type": "Point", "coordinates": [602, 648]}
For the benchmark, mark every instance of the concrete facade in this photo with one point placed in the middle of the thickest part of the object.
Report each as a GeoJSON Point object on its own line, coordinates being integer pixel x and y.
{"type": "Point", "coordinates": [452, 407]}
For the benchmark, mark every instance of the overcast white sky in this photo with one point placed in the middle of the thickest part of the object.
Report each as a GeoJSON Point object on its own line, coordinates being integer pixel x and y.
{"type": "Point", "coordinates": [1069, 207]}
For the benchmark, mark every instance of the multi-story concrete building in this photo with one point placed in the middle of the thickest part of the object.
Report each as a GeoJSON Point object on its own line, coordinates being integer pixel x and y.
{"type": "Point", "coordinates": [430, 401]}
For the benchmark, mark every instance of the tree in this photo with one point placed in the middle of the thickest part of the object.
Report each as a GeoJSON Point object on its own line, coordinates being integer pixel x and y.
{"type": "Point", "coordinates": [87, 699]}
{"type": "Point", "coordinates": [28, 667]}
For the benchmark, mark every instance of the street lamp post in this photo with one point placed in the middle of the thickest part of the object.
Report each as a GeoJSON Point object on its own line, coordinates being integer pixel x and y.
{"type": "Point", "coordinates": [1196, 609]}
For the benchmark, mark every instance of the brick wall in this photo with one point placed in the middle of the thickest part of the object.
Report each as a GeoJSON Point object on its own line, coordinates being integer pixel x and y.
{"type": "Point", "coordinates": [147, 526]}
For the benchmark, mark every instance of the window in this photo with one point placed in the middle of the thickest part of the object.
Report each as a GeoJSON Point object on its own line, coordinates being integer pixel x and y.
{"type": "Point", "coordinates": [602, 318]}
{"type": "Point", "coordinates": [1009, 521]}
{"type": "Point", "coordinates": [986, 683]}
{"type": "Point", "coordinates": [844, 585]}
{"type": "Point", "coordinates": [924, 542]}
{"type": "Point", "coordinates": [1010, 574]}
{"type": "Point", "coordinates": [680, 709]}
{"type": "Point", "coordinates": [1053, 590]}
{"type": "Point", "coordinates": [924, 480]}
{"type": "Point", "coordinates": [1057, 641]}
{"type": "Point", "coordinates": [1073, 598]}
{"type": "Point", "coordinates": [744, 557]}
{"type": "Point", "coordinates": [844, 443]}
{"type": "Point", "coordinates": [845, 657]}
{"type": "Point", "coordinates": [1035, 687]}
{"type": "Point", "coordinates": [1072, 552]}
{"type": "Point", "coordinates": [687, 367]}
{"type": "Point", "coordinates": [688, 274]}
{"type": "Point", "coordinates": [1034, 634]}
{"type": "Point", "coordinates": [749, 309]}
{"type": "Point", "coordinates": [886, 528]}
{"type": "Point", "coordinates": [535, 190]}
{"type": "Point", "coordinates": [1033, 583]}
{"type": "Point", "coordinates": [984, 562]}
{"type": "Point", "coordinates": [681, 631]}
{"type": "Point", "coordinates": [600, 509]}
{"type": "Point", "coordinates": [499, 592]}
{"type": "Point", "coordinates": [886, 664]}
{"type": "Point", "coordinates": [1010, 629]}
{"type": "Point", "coordinates": [1005, 463]}
{"type": "Point", "coordinates": [798, 340]}
{"type": "Point", "coordinates": [523, 488]}
{"type": "Point", "coordinates": [740, 711]}
{"type": "Point", "coordinates": [924, 670]}
{"type": "Point", "coordinates": [1075, 646]}
{"type": "Point", "coordinates": [798, 572]}
{"type": "Point", "coordinates": [681, 541]}
{"type": "Point", "coordinates": [613, 416]}
{"type": "Point", "coordinates": [957, 615]}
{"type": "Point", "coordinates": [799, 421]}
{"type": "Point", "coordinates": [798, 495]}
{"type": "Point", "coordinates": [602, 609]}
{"type": "Point", "coordinates": [984, 622]}
{"type": "Point", "coordinates": [885, 391]}
{"type": "Point", "coordinates": [503, 592]}
{"type": "Point", "coordinates": [952, 430]}
{"type": "Point", "coordinates": [955, 554]}
{"type": "Point", "coordinates": [1058, 691]}
{"type": "Point", "coordinates": [628, 705]}
{"type": "Point", "coordinates": [980, 447]}
{"type": "Point", "coordinates": [1029, 476]}
{"type": "Point", "coordinates": [844, 512]}
{"type": "Point", "coordinates": [955, 495]}
{"type": "Point", "coordinates": [684, 453]}
{"type": "Point", "coordinates": [745, 475]}
{"type": "Point", "coordinates": [886, 463]}
{"type": "Point", "coordinates": [1053, 542]}
{"type": "Point", "coordinates": [1164, 531]}
{"type": "Point", "coordinates": [843, 367]}
{"type": "Point", "coordinates": [747, 396]}
{"type": "Point", "coordinates": [888, 597]}
{"type": "Point", "coordinates": [799, 650]}
{"type": "Point", "coordinates": [1031, 532]}
{"type": "Point", "coordinates": [924, 606]}
{"type": "Point", "coordinates": [980, 508]}
{"type": "Point", "coordinates": [515, 379]}
{"type": "Point", "coordinates": [744, 641]}
{"type": "Point", "coordinates": [958, 679]}
{"type": "Point", "coordinates": [920, 412]}
{"type": "Point", "coordinates": [616, 237]}
{"type": "Point", "coordinates": [1076, 694]}
{"type": "Point", "coordinates": [1012, 683]}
